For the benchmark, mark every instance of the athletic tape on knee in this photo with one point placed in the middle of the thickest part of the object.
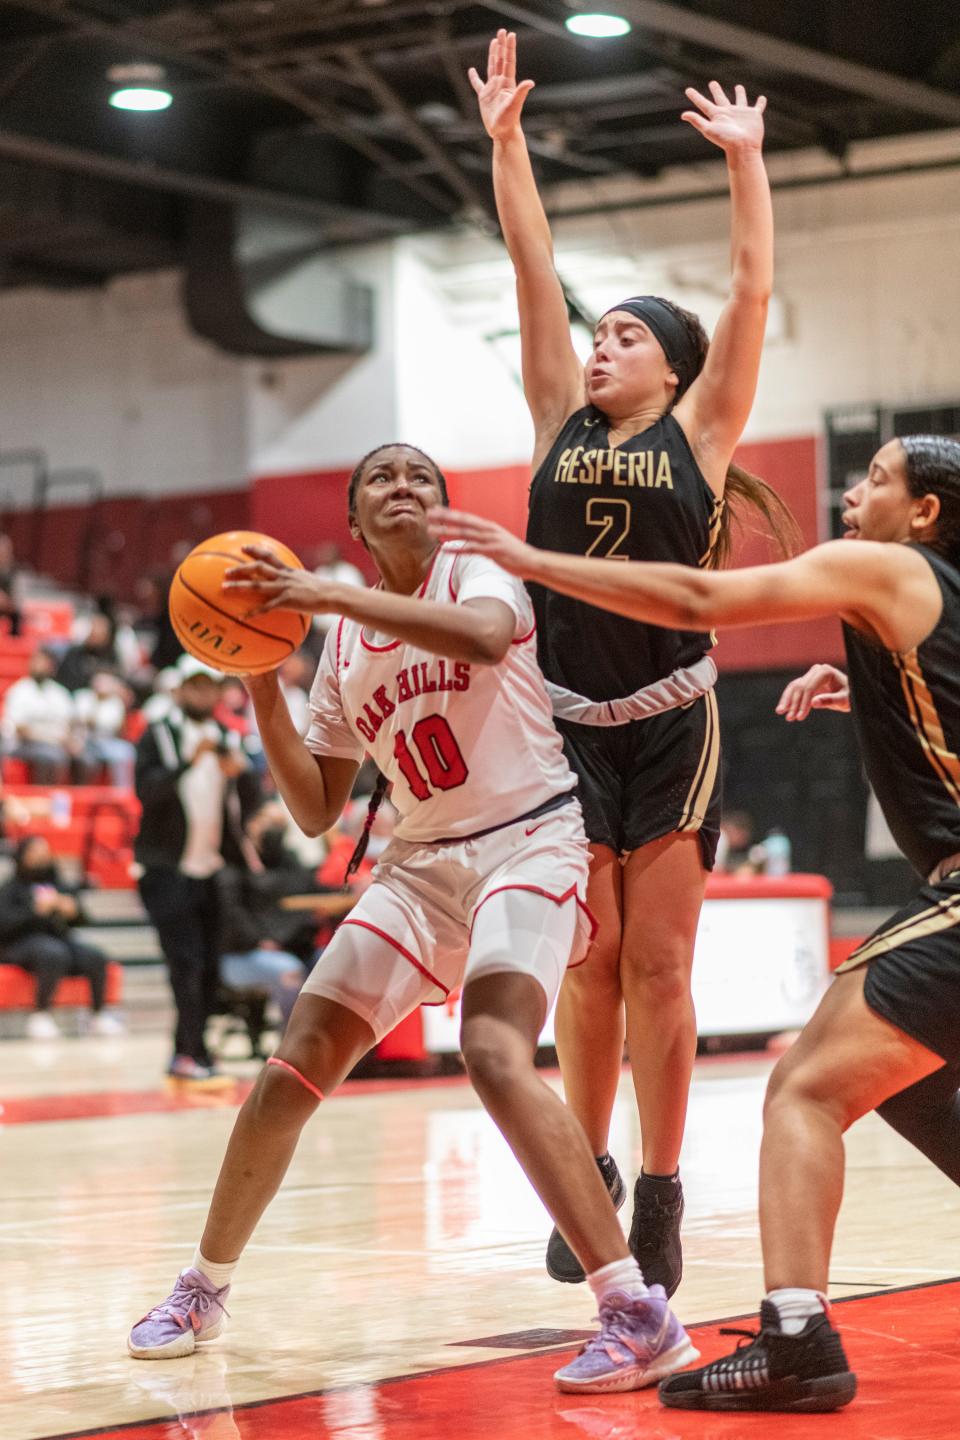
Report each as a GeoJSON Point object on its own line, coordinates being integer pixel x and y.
{"type": "Point", "coordinates": [292, 1069]}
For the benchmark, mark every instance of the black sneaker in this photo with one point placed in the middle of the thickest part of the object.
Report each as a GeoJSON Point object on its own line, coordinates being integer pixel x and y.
{"type": "Point", "coordinates": [654, 1238]}
{"type": "Point", "coordinates": [773, 1371]}
{"type": "Point", "coordinates": [562, 1264]}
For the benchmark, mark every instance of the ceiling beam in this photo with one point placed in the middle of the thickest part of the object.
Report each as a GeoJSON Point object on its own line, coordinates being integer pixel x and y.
{"type": "Point", "coordinates": [238, 67]}
{"type": "Point", "coordinates": [762, 49]}
{"type": "Point", "coordinates": [417, 133]}
{"type": "Point", "coordinates": [343, 225]}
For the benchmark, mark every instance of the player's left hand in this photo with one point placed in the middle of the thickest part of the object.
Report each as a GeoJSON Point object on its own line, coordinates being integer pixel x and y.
{"type": "Point", "coordinates": [279, 586]}
{"type": "Point", "coordinates": [732, 125]}
{"type": "Point", "coordinates": [483, 537]}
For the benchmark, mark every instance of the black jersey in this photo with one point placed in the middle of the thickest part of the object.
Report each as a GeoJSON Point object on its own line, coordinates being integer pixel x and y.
{"type": "Point", "coordinates": [906, 708]}
{"type": "Point", "coordinates": [645, 499]}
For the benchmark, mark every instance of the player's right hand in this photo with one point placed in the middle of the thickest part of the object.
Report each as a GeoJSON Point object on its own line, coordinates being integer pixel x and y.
{"type": "Point", "coordinates": [499, 96]}
{"type": "Point", "coordinates": [823, 687]}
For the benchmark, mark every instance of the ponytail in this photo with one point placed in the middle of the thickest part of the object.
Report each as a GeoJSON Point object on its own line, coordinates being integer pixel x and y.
{"type": "Point", "coordinates": [743, 492]}
{"type": "Point", "coordinates": [360, 849]}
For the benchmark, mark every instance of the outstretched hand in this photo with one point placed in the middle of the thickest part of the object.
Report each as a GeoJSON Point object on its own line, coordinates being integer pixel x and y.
{"type": "Point", "coordinates": [482, 537]}
{"type": "Point", "coordinates": [279, 586]}
{"type": "Point", "coordinates": [500, 97]}
{"type": "Point", "coordinates": [823, 687]}
{"type": "Point", "coordinates": [732, 125]}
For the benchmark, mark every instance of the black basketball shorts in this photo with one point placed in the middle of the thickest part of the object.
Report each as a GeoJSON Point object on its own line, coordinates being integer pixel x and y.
{"type": "Point", "coordinates": [649, 778]}
{"type": "Point", "coordinates": [913, 968]}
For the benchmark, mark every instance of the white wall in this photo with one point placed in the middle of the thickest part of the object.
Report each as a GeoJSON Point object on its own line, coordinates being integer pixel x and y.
{"type": "Point", "coordinates": [113, 379]}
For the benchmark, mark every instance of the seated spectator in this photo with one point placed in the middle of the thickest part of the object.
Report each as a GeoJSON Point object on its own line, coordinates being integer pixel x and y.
{"type": "Point", "coordinates": [37, 913]}
{"type": "Point", "coordinates": [101, 712]}
{"type": "Point", "coordinates": [735, 845]}
{"type": "Point", "coordinates": [154, 627]}
{"type": "Point", "coordinates": [97, 649]}
{"type": "Point", "coordinates": [235, 712]}
{"type": "Point", "coordinates": [38, 720]}
{"type": "Point", "coordinates": [262, 945]}
{"type": "Point", "coordinates": [9, 586]}
{"type": "Point", "coordinates": [295, 687]}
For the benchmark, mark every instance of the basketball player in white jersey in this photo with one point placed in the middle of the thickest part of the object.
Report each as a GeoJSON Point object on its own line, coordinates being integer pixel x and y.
{"type": "Point", "coordinates": [434, 673]}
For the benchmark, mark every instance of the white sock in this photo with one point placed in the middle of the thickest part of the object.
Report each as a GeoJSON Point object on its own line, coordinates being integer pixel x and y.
{"type": "Point", "coordinates": [220, 1274]}
{"type": "Point", "coordinates": [621, 1275]}
{"type": "Point", "coordinates": [795, 1307]}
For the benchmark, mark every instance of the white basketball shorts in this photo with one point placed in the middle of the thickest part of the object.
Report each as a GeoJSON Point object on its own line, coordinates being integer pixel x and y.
{"type": "Point", "coordinates": [437, 916]}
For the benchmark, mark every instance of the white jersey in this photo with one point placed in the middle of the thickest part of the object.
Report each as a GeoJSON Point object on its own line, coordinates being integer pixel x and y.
{"type": "Point", "coordinates": [465, 746]}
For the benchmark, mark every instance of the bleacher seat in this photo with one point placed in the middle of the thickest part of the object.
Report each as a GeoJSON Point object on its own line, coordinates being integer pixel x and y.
{"type": "Point", "coordinates": [94, 824]}
{"type": "Point", "coordinates": [18, 989]}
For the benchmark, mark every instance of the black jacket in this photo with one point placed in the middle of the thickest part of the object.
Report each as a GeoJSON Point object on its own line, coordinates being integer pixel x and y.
{"type": "Point", "coordinates": [19, 919]}
{"type": "Point", "coordinates": [250, 910]}
{"type": "Point", "coordinates": [163, 825]}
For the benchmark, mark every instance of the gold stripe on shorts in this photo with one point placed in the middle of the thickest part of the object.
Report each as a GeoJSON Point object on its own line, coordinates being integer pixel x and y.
{"type": "Point", "coordinates": [705, 776]}
{"type": "Point", "coordinates": [938, 917]}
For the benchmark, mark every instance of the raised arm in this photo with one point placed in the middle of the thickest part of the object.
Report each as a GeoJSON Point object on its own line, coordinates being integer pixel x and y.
{"type": "Point", "coordinates": [886, 590]}
{"type": "Point", "coordinates": [552, 372]}
{"type": "Point", "coordinates": [717, 406]}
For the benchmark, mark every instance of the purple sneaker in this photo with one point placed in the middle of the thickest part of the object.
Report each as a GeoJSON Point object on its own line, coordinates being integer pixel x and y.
{"type": "Point", "coordinates": [640, 1341]}
{"type": "Point", "coordinates": [195, 1311]}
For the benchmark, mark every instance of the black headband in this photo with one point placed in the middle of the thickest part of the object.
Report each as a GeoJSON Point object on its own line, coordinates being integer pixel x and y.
{"type": "Point", "coordinates": [674, 338]}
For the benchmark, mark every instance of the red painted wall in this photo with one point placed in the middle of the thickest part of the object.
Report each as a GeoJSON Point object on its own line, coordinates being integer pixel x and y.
{"type": "Point", "coordinates": [128, 536]}
{"type": "Point", "coordinates": [791, 468]}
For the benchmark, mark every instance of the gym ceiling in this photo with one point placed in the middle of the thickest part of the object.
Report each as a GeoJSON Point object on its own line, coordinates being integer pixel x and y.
{"type": "Point", "coordinates": [356, 115]}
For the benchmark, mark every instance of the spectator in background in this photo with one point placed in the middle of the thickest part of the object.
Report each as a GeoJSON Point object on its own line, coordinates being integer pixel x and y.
{"type": "Point", "coordinates": [101, 712]}
{"type": "Point", "coordinates": [295, 688]}
{"type": "Point", "coordinates": [735, 844]}
{"type": "Point", "coordinates": [265, 946]}
{"type": "Point", "coordinates": [195, 787]}
{"type": "Point", "coordinates": [38, 722]}
{"type": "Point", "coordinates": [9, 585]}
{"type": "Point", "coordinates": [37, 913]}
{"type": "Point", "coordinates": [154, 628]}
{"type": "Point", "coordinates": [329, 564]}
{"type": "Point", "coordinates": [97, 649]}
{"type": "Point", "coordinates": [234, 712]}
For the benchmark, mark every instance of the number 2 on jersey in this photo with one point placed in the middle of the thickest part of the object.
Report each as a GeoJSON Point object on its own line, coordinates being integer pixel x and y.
{"type": "Point", "coordinates": [612, 518]}
{"type": "Point", "coordinates": [437, 747]}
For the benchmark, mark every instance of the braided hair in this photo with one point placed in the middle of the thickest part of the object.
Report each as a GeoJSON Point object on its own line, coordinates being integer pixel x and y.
{"type": "Point", "coordinates": [932, 467]}
{"type": "Point", "coordinates": [360, 849]}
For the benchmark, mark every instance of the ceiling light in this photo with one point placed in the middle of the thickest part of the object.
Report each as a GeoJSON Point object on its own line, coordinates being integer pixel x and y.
{"type": "Point", "coordinates": [598, 26]}
{"type": "Point", "coordinates": [139, 87]}
{"type": "Point", "coordinates": [140, 98]}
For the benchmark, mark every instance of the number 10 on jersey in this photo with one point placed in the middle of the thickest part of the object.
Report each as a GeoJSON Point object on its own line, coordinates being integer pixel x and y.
{"type": "Point", "coordinates": [439, 754]}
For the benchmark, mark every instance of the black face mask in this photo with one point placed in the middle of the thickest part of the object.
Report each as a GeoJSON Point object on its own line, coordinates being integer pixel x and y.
{"type": "Point", "coordinates": [38, 874]}
{"type": "Point", "coordinates": [196, 712]}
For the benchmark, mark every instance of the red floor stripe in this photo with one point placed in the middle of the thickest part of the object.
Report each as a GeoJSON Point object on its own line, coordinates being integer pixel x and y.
{"type": "Point", "coordinates": [103, 1104]}
{"type": "Point", "coordinates": [903, 1344]}
{"type": "Point", "coordinates": [98, 1104]}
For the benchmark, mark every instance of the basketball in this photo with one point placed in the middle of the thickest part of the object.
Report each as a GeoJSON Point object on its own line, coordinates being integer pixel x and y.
{"type": "Point", "coordinates": [209, 621]}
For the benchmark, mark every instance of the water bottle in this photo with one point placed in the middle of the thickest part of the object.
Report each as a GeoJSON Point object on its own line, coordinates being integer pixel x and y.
{"type": "Point", "coordinates": [777, 847]}
{"type": "Point", "coordinates": [60, 808]}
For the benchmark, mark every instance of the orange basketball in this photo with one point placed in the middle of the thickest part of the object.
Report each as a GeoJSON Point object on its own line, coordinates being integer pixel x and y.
{"type": "Point", "coordinates": [209, 620]}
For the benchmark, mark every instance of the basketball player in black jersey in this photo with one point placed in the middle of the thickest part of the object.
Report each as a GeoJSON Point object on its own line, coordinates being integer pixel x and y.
{"type": "Point", "coordinates": [632, 462]}
{"type": "Point", "coordinates": [887, 1032]}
